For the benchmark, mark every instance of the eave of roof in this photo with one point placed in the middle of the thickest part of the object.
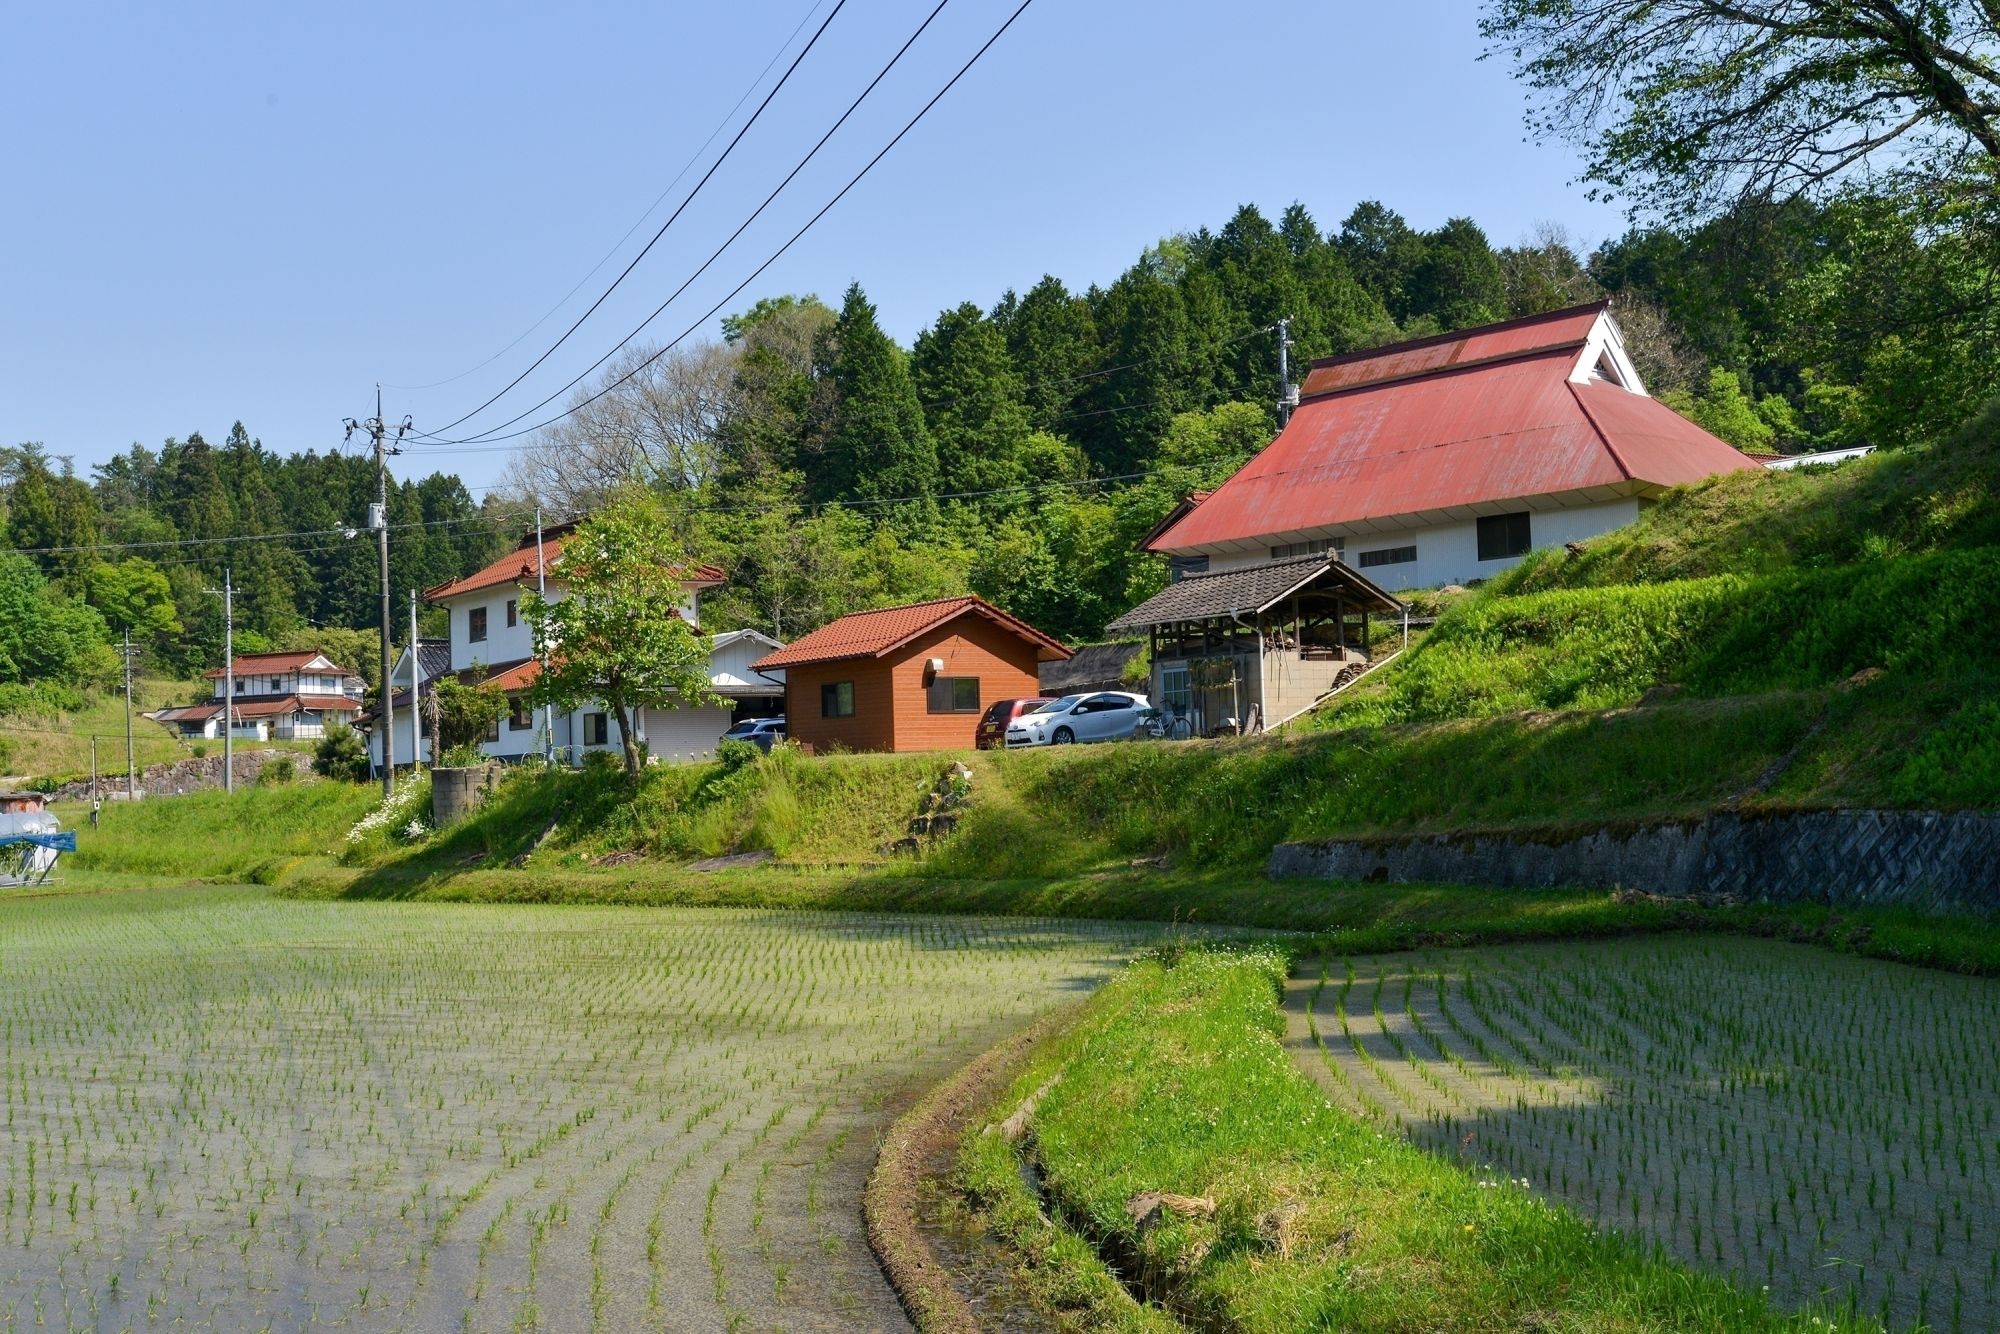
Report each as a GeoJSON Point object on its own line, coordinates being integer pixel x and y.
{"type": "Point", "coordinates": [1250, 590]}
{"type": "Point", "coordinates": [854, 636]}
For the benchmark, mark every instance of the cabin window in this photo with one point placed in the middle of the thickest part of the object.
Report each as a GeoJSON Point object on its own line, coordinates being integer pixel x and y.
{"type": "Point", "coordinates": [1388, 556]}
{"type": "Point", "coordinates": [954, 694]}
{"type": "Point", "coordinates": [596, 732]}
{"type": "Point", "coordinates": [836, 699]}
{"type": "Point", "coordinates": [475, 624]}
{"type": "Point", "coordinates": [1503, 535]}
{"type": "Point", "coordinates": [513, 614]}
{"type": "Point", "coordinates": [1287, 550]}
{"type": "Point", "coordinates": [519, 716]}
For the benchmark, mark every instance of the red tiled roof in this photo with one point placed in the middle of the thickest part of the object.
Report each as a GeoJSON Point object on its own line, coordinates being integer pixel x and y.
{"type": "Point", "coordinates": [256, 664]}
{"type": "Point", "coordinates": [1452, 438]}
{"type": "Point", "coordinates": [871, 634]}
{"type": "Point", "coordinates": [520, 566]}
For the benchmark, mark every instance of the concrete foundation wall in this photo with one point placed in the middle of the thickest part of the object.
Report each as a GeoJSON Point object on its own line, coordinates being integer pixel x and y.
{"type": "Point", "coordinates": [1916, 859]}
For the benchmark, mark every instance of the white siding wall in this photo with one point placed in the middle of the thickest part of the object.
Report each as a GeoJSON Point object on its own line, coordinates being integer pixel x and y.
{"type": "Point", "coordinates": [503, 643]}
{"type": "Point", "coordinates": [676, 735]}
{"type": "Point", "coordinates": [1449, 553]}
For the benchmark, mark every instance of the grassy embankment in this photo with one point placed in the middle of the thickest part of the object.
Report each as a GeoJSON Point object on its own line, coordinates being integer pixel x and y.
{"type": "Point", "coordinates": [1294, 1215]}
{"type": "Point", "coordinates": [43, 743]}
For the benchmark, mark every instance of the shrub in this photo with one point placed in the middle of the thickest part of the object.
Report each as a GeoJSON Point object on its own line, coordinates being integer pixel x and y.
{"type": "Point", "coordinates": [340, 754]}
{"type": "Point", "coordinates": [277, 773]}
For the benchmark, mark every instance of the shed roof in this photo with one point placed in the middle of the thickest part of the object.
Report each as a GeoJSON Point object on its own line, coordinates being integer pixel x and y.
{"type": "Point", "coordinates": [872, 634]}
{"type": "Point", "coordinates": [1252, 589]}
{"type": "Point", "coordinates": [1451, 427]}
{"type": "Point", "coordinates": [1092, 666]}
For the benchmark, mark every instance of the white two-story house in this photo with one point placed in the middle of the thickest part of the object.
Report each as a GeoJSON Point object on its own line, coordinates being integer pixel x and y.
{"type": "Point", "coordinates": [490, 641]}
{"type": "Point", "coordinates": [286, 696]}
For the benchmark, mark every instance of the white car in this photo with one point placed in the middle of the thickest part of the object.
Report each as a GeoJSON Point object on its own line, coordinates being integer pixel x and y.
{"type": "Point", "coordinates": [1108, 715]}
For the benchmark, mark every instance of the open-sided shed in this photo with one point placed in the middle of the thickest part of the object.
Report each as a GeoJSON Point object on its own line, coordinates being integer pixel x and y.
{"type": "Point", "coordinates": [1254, 647]}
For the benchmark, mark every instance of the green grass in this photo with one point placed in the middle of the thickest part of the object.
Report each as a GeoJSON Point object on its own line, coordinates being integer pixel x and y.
{"type": "Point", "coordinates": [45, 743]}
{"type": "Point", "coordinates": [1175, 1080]}
{"type": "Point", "coordinates": [257, 834]}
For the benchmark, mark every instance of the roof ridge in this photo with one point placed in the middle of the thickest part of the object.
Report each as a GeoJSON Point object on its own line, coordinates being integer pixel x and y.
{"type": "Point", "coordinates": [1457, 335]}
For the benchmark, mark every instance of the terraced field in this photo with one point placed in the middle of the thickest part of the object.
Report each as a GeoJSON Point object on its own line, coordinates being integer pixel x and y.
{"type": "Point", "coordinates": [1825, 1126]}
{"type": "Point", "coordinates": [219, 1110]}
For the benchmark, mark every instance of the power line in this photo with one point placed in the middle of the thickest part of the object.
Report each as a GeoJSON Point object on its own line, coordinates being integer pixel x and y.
{"type": "Point", "coordinates": [640, 221]}
{"type": "Point", "coordinates": [744, 226]}
{"type": "Point", "coordinates": [671, 218]}
{"type": "Point", "coordinates": [775, 257]}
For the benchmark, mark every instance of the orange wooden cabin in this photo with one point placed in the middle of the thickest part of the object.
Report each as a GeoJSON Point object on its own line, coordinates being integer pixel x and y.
{"type": "Point", "coordinates": [907, 678]}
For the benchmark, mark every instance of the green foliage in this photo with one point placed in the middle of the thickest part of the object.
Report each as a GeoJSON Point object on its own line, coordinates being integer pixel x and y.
{"type": "Point", "coordinates": [201, 835]}
{"type": "Point", "coordinates": [876, 444]}
{"type": "Point", "coordinates": [617, 634]}
{"type": "Point", "coordinates": [277, 773]}
{"type": "Point", "coordinates": [45, 637]}
{"type": "Point", "coordinates": [341, 754]}
{"type": "Point", "coordinates": [133, 594]}
{"type": "Point", "coordinates": [464, 714]}
{"type": "Point", "coordinates": [1958, 764]}
{"type": "Point", "coordinates": [1726, 411]}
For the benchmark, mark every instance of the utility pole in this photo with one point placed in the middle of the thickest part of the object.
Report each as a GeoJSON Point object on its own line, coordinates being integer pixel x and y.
{"type": "Point", "coordinates": [378, 519]}
{"type": "Point", "coordinates": [93, 768]}
{"type": "Point", "coordinates": [416, 691]}
{"type": "Point", "coordinates": [228, 595]}
{"type": "Point", "coordinates": [542, 591]}
{"type": "Point", "coordinates": [1288, 397]}
{"type": "Point", "coordinates": [131, 774]}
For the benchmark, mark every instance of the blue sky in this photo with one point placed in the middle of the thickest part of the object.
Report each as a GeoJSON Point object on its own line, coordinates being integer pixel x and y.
{"type": "Point", "coordinates": [256, 211]}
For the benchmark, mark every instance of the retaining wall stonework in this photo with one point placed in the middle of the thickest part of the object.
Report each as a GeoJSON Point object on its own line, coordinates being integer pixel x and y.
{"type": "Point", "coordinates": [1918, 859]}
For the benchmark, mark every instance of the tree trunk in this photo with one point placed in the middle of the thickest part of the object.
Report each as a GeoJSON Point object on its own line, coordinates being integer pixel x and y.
{"type": "Point", "coordinates": [625, 737]}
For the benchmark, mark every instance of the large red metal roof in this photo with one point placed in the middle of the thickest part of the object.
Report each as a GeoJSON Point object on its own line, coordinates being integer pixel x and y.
{"type": "Point", "coordinates": [870, 634]}
{"type": "Point", "coordinates": [1468, 347]}
{"type": "Point", "coordinates": [1505, 428]}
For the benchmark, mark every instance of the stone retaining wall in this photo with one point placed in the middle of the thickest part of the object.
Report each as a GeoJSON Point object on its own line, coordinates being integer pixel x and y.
{"type": "Point", "coordinates": [1925, 860]}
{"type": "Point", "coordinates": [192, 774]}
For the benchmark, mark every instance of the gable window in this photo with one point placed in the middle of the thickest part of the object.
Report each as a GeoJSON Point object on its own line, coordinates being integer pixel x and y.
{"type": "Point", "coordinates": [1388, 556]}
{"type": "Point", "coordinates": [519, 716]}
{"type": "Point", "coordinates": [512, 614]}
{"type": "Point", "coordinates": [277, 684]}
{"type": "Point", "coordinates": [1287, 550]}
{"type": "Point", "coordinates": [475, 624]}
{"type": "Point", "coordinates": [836, 699]}
{"type": "Point", "coordinates": [1504, 535]}
{"type": "Point", "coordinates": [954, 694]}
{"type": "Point", "coordinates": [596, 730]}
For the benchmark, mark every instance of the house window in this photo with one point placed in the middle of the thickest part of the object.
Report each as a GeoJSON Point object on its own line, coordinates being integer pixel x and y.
{"type": "Point", "coordinates": [1181, 567]}
{"type": "Point", "coordinates": [277, 684]}
{"type": "Point", "coordinates": [519, 716]}
{"type": "Point", "coordinates": [1503, 535]}
{"type": "Point", "coordinates": [596, 731]}
{"type": "Point", "coordinates": [475, 624]}
{"type": "Point", "coordinates": [1388, 556]}
{"type": "Point", "coordinates": [492, 731]}
{"type": "Point", "coordinates": [1287, 550]}
{"type": "Point", "coordinates": [836, 699]}
{"type": "Point", "coordinates": [512, 615]}
{"type": "Point", "coordinates": [954, 694]}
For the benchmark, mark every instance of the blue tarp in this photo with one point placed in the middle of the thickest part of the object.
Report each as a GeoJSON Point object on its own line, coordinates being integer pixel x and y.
{"type": "Point", "coordinates": [63, 842]}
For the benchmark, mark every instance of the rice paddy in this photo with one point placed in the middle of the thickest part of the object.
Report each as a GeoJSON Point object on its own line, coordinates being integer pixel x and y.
{"type": "Point", "coordinates": [219, 1110]}
{"type": "Point", "coordinates": [1826, 1128]}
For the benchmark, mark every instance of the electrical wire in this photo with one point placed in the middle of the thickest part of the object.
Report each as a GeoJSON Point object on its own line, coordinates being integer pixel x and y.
{"type": "Point", "coordinates": [487, 437]}
{"type": "Point", "coordinates": [744, 226]}
{"type": "Point", "coordinates": [640, 221]}
{"type": "Point", "coordinates": [671, 218]}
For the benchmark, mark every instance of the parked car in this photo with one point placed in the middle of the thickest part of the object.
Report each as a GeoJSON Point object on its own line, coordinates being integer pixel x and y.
{"type": "Point", "coordinates": [759, 732]}
{"type": "Point", "coordinates": [1109, 715]}
{"type": "Point", "coordinates": [993, 724]}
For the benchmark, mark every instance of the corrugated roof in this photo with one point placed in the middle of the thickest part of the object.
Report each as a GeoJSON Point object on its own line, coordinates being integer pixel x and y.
{"type": "Point", "coordinates": [521, 566]}
{"type": "Point", "coordinates": [1249, 589]}
{"type": "Point", "coordinates": [870, 634]}
{"type": "Point", "coordinates": [1452, 439]}
{"type": "Point", "coordinates": [1091, 667]}
{"type": "Point", "coordinates": [1426, 356]}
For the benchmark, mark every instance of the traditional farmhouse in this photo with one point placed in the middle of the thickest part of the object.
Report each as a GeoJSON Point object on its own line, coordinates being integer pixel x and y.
{"type": "Point", "coordinates": [1447, 459]}
{"type": "Point", "coordinates": [907, 678]}
{"type": "Point", "coordinates": [490, 642]}
{"type": "Point", "coordinates": [286, 696]}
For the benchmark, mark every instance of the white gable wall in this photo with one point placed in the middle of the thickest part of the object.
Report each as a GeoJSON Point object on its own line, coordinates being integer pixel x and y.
{"type": "Point", "coordinates": [1448, 553]}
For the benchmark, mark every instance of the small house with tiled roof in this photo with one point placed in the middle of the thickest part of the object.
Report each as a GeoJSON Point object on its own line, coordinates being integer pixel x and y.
{"type": "Point", "coordinates": [489, 642]}
{"type": "Point", "coordinates": [1447, 459]}
{"type": "Point", "coordinates": [286, 696]}
{"type": "Point", "coordinates": [914, 677]}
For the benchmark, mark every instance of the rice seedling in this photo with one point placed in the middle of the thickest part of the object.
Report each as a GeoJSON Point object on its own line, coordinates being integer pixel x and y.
{"type": "Point", "coordinates": [226, 1110]}
{"type": "Point", "coordinates": [1822, 1127]}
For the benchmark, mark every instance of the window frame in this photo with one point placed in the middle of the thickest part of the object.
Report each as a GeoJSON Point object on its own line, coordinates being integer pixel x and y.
{"type": "Point", "coordinates": [830, 699]}
{"type": "Point", "coordinates": [941, 695]}
{"type": "Point", "coordinates": [1369, 560]}
{"type": "Point", "coordinates": [513, 612]}
{"type": "Point", "coordinates": [475, 625]}
{"type": "Point", "coordinates": [520, 715]}
{"type": "Point", "coordinates": [1495, 536]}
{"type": "Point", "coordinates": [598, 724]}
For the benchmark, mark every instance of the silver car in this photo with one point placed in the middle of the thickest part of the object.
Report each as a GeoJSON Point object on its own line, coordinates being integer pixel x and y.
{"type": "Point", "coordinates": [1108, 715]}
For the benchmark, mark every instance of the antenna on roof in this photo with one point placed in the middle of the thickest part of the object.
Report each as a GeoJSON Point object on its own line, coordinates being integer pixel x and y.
{"type": "Point", "coordinates": [1288, 397]}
